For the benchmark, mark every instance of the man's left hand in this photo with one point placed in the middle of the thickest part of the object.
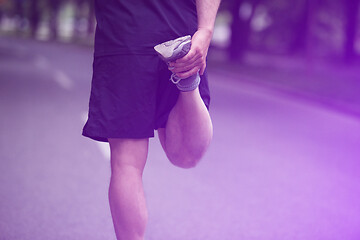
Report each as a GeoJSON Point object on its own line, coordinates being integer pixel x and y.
{"type": "Point", "coordinates": [195, 60]}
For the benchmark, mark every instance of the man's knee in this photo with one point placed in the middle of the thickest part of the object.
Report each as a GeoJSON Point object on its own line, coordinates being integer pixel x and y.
{"type": "Point", "coordinates": [185, 160]}
{"type": "Point", "coordinates": [185, 163]}
{"type": "Point", "coordinates": [187, 155]}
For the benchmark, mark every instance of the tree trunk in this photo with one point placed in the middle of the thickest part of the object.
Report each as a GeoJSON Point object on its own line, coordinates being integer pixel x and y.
{"type": "Point", "coordinates": [34, 17]}
{"type": "Point", "coordinates": [91, 18]}
{"type": "Point", "coordinates": [236, 47]}
{"type": "Point", "coordinates": [54, 14]}
{"type": "Point", "coordinates": [240, 30]}
{"type": "Point", "coordinates": [301, 29]}
{"type": "Point", "coordinates": [351, 18]}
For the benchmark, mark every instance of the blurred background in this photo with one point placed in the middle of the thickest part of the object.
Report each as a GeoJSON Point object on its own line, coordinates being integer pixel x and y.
{"type": "Point", "coordinates": [253, 37]}
{"type": "Point", "coordinates": [284, 162]}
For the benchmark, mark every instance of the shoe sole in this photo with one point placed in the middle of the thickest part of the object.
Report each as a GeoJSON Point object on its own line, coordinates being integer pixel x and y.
{"type": "Point", "coordinates": [174, 49]}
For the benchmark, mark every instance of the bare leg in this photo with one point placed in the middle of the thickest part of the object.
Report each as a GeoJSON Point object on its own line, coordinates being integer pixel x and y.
{"type": "Point", "coordinates": [126, 194]}
{"type": "Point", "coordinates": [188, 132]}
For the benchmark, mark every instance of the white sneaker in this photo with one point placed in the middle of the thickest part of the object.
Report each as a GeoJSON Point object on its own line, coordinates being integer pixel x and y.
{"type": "Point", "coordinates": [172, 50]}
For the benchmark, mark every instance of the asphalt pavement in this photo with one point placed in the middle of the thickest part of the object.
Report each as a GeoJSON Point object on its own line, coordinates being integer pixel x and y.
{"type": "Point", "coordinates": [279, 167]}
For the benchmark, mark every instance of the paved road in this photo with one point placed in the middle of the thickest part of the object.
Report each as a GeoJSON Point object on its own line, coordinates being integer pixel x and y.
{"type": "Point", "coordinates": [278, 168]}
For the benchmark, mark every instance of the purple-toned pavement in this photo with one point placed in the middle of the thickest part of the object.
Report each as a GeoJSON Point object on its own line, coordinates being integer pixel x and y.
{"type": "Point", "coordinates": [278, 168]}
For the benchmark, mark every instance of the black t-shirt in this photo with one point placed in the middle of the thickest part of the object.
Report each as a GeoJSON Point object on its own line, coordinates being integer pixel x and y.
{"type": "Point", "coordinates": [136, 26]}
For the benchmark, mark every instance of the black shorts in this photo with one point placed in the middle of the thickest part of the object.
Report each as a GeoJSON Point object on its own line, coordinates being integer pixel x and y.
{"type": "Point", "coordinates": [131, 96]}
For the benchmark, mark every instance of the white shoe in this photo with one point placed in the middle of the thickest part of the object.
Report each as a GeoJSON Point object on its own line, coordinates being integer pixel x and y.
{"type": "Point", "coordinates": [172, 50]}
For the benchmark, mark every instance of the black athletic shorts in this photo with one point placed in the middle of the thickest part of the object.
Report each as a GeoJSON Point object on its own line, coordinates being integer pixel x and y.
{"type": "Point", "coordinates": [131, 96]}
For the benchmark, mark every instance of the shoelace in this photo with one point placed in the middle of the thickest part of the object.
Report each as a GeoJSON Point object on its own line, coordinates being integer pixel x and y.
{"type": "Point", "coordinates": [174, 79]}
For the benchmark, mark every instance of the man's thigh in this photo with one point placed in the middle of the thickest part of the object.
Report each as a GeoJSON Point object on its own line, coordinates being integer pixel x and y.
{"type": "Point", "coordinates": [128, 153]}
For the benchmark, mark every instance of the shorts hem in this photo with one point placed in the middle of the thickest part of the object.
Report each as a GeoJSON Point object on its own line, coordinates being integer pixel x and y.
{"type": "Point", "coordinates": [125, 136]}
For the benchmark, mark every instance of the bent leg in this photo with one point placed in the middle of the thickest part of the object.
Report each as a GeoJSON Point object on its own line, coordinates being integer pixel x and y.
{"type": "Point", "coordinates": [126, 194]}
{"type": "Point", "coordinates": [188, 131]}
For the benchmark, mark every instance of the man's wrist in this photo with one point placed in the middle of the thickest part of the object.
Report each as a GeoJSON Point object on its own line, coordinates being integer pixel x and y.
{"type": "Point", "coordinates": [210, 30]}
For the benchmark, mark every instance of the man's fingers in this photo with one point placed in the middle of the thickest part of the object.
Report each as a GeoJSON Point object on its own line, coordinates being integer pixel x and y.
{"type": "Point", "coordinates": [190, 64]}
{"type": "Point", "coordinates": [188, 73]}
{"type": "Point", "coordinates": [182, 63]}
{"type": "Point", "coordinates": [186, 67]}
{"type": "Point", "coordinates": [189, 57]}
{"type": "Point", "coordinates": [193, 53]}
{"type": "Point", "coordinates": [202, 69]}
{"type": "Point", "coordinates": [192, 71]}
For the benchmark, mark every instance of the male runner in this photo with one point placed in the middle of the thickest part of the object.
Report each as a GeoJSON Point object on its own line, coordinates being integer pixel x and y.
{"type": "Point", "coordinates": [131, 95]}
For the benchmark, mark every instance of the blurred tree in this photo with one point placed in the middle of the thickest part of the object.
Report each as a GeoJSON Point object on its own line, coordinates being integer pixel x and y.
{"type": "Point", "coordinates": [2, 4]}
{"type": "Point", "coordinates": [54, 6]}
{"type": "Point", "coordinates": [236, 46]}
{"type": "Point", "coordinates": [301, 28]}
{"type": "Point", "coordinates": [297, 27]}
{"type": "Point", "coordinates": [91, 17]}
{"type": "Point", "coordinates": [34, 17]}
{"type": "Point", "coordinates": [240, 26]}
{"type": "Point", "coordinates": [290, 25]}
{"type": "Point", "coordinates": [351, 8]}
{"type": "Point", "coordinates": [88, 5]}
{"type": "Point", "coordinates": [19, 12]}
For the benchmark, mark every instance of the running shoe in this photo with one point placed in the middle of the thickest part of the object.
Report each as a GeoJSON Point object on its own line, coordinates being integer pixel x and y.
{"type": "Point", "coordinates": [172, 50]}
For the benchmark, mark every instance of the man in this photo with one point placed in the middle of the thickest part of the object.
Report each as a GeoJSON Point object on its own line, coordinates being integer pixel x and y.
{"type": "Point", "coordinates": [131, 95]}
